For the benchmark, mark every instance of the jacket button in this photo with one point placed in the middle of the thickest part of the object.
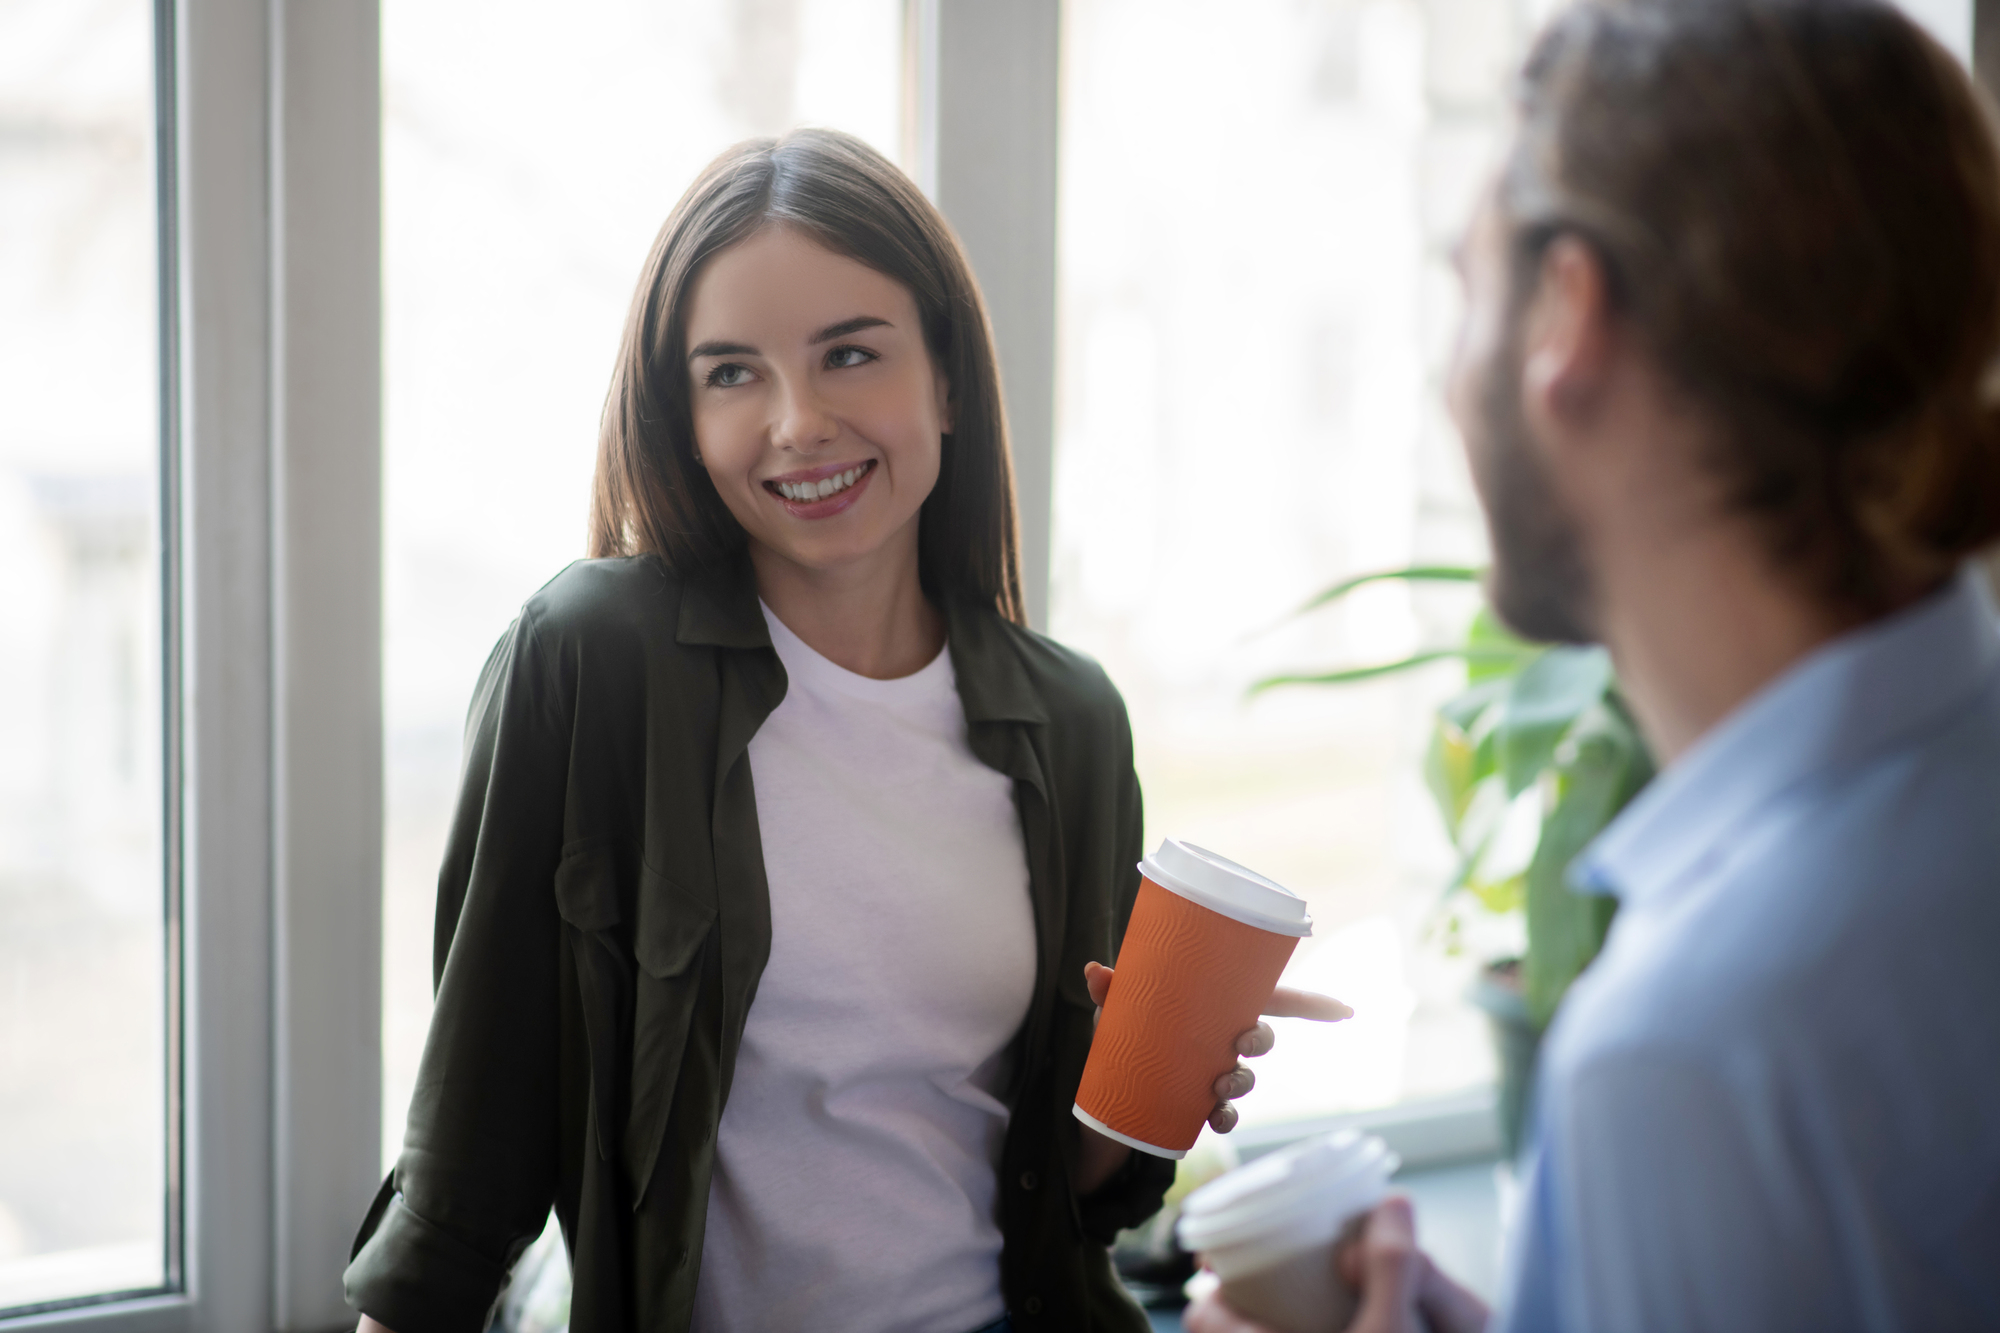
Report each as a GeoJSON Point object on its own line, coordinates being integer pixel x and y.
{"type": "Point", "coordinates": [1029, 1180]}
{"type": "Point", "coordinates": [1033, 1305]}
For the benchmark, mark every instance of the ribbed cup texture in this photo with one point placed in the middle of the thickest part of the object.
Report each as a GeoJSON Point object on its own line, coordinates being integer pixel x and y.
{"type": "Point", "coordinates": [1189, 982]}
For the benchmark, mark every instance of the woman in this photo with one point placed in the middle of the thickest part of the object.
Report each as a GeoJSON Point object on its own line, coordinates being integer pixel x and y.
{"type": "Point", "coordinates": [797, 1052]}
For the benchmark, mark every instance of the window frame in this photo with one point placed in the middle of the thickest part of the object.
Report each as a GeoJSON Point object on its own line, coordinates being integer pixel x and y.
{"type": "Point", "coordinates": [268, 188]}
{"type": "Point", "coordinates": [982, 130]}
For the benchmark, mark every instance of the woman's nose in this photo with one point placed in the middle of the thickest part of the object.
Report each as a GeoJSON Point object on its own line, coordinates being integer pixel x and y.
{"type": "Point", "coordinates": [803, 421]}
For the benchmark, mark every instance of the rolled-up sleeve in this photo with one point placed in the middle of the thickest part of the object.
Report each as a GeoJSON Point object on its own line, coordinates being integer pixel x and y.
{"type": "Point", "coordinates": [478, 1170]}
{"type": "Point", "coordinates": [1135, 1190]}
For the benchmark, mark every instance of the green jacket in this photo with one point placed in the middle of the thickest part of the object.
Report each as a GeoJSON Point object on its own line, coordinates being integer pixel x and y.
{"type": "Point", "coordinates": [602, 923]}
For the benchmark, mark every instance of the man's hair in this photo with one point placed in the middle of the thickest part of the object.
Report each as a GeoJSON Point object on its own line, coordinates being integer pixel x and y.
{"type": "Point", "coordinates": [1797, 206]}
{"type": "Point", "coordinates": [651, 496]}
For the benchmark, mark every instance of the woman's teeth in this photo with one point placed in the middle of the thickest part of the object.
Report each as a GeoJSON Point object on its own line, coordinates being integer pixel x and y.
{"type": "Point", "coordinates": [805, 492]}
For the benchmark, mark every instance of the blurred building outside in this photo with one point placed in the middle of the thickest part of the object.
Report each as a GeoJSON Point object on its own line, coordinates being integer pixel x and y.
{"type": "Point", "coordinates": [82, 1098]}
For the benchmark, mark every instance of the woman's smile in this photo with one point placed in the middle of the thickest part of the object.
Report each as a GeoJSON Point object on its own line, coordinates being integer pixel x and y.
{"type": "Point", "coordinates": [821, 492]}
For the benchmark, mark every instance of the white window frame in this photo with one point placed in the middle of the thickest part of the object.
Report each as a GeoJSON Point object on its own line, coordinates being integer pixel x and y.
{"type": "Point", "coordinates": [270, 173]}
{"type": "Point", "coordinates": [985, 79]}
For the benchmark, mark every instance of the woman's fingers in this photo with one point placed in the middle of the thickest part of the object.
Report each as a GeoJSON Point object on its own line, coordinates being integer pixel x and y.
{"type": "Point", "coordinates": [1227, 1088]}
{"type": "Point", "coordinates": [1286, 1002]}
{"type": "Point", "coordinates": [1234, 1084]}
{"type": "Point", "coordinates": [1289, 1003]}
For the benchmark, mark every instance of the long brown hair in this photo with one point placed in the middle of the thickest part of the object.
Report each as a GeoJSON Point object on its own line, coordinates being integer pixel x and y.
{"type": "Point", "coordinates": [650, 496]}
{"type": "Point", "coordinates": [1797, 205]}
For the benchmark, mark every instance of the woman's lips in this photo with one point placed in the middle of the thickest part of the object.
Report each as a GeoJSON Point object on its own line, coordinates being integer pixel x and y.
{"type": "Point", "coordinates": [825, 506]}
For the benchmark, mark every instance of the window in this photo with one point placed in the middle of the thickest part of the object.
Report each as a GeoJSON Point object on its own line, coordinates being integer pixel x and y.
{"type": "Point", "coordinates": [1256, 307]}
{"type": "Point", "coordinates": [87, 1010]}
{"type": "Point", "coordinates": [1256, 302]}
{"type": "Point", "coordinates": [515, 227]}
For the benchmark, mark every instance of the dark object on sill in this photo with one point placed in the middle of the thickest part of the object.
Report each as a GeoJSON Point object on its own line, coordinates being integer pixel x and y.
{"type": "Point", "coordinates": [1153, 1267]}
{"type": "Point", "coordinates": [1516, 1043]}
{"type": "Point", "coordinates": [1155, 1297]}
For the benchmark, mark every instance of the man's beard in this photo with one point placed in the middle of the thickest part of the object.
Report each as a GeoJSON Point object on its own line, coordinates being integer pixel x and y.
{"type": "Point", "coordinates": [1539, 585]}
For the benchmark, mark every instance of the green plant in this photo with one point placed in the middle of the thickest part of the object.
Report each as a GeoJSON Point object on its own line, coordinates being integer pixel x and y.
{"type": "Point", "coordinates": [1527, 764]}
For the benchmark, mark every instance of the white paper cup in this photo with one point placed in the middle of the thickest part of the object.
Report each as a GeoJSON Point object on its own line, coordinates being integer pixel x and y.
{"type": "Point", "coordinates": [1268, 1229]}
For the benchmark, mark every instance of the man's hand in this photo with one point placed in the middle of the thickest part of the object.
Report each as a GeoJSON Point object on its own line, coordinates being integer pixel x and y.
{"type": "Point", "coordinates": [1402, 1291]}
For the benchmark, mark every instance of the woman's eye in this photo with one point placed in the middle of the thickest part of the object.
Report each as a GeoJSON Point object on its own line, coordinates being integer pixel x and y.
{"type": "Point", "coordinates": [840, 358]}
{"type": "Point", "coordinates": [727, 375]}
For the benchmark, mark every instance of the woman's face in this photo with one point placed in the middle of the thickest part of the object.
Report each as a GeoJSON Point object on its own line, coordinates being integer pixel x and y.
{"type": "Point", "coordinates": [817, 411]}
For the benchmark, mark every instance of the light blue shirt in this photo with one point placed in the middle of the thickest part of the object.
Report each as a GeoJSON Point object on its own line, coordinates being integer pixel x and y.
{"type": "Point", "coordinates": [1773, 1102]}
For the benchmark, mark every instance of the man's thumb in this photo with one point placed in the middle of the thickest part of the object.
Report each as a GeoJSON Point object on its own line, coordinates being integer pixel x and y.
{"type": "Point", "coordinates": [1391, 1267]}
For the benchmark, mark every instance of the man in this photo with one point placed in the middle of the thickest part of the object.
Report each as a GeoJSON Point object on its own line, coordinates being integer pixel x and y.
{"type": "Point", "coordinates": [1726, 385]}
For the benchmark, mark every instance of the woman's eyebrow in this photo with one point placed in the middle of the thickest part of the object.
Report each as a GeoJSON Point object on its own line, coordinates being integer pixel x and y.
{"type": "Point", "coordinates": [722, 349]}
{"type": "Point", "coordinates": [847, 326]}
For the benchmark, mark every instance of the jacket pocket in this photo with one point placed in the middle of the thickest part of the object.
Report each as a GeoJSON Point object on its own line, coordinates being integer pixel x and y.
{"type": "Point", "coordinates": [674, 923]}
{"type": "Point", "coordinates": [587, 900]}
{"type": "Point", "coordinates": [587, 886]}
{"type": "Point", "coordinates": [674, 928]}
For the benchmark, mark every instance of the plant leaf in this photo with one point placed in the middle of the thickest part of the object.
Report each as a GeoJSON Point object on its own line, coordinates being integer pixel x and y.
{"type": "Point", "coordinates": [1506, 896]}
{"type": "Point", "coordinates": [1447, 770]}
{"type": "Point", "coordinates": [1462, 710]}
{"type": "Point", "coordinates": [1412, 574]}
{"type": "Point", "coordinates": [1452, 761]}
{"type": "Point", "coordinates": [1351, 674]}
{"type": "Point", "coordinates": [1486, 632]}
{"type": "Point", "coordinates": [1545, 700]}
{"type": "Point", "coordinates": [1605, 763]}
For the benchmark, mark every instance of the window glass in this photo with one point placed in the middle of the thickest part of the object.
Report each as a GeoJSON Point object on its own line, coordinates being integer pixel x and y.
{"type": "Point", "coordinates": [528, 164]}
{"type": "Point", "coordinates": [83, 1129]}
{"type": "Point", "coordinates": [1258, 203]}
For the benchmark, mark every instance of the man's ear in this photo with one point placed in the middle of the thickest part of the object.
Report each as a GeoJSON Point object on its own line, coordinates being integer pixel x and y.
{"type": "Point", "coordinates": [1567, 340]}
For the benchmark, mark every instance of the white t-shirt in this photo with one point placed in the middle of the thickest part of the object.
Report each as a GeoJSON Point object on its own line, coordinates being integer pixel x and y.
{"type": "Point", "coordinates": [855, 1164]}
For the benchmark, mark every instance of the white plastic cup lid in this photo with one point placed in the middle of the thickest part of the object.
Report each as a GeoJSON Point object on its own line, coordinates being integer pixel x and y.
{"type": "Point", "coordinates": [1219, 884]}
{"type": "Point", "coordinates": [1303, 1194]}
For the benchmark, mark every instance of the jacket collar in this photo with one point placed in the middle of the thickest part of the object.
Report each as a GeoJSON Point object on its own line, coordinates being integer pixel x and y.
{"type": "Point", "coordinates": [993, 684]}
{"type": "Point", "coordinates": [719, 609]}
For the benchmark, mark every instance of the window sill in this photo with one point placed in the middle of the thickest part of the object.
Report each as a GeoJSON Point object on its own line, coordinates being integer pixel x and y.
{"type": "Point", "coordinates": [1433, 1132]}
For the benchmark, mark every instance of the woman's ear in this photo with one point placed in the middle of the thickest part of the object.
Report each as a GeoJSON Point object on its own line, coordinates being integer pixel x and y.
{"type": "Point", "coordinates": [947, 406]}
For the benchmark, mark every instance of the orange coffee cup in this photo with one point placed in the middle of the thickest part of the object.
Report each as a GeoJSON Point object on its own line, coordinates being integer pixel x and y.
{"type": "Point", "coordinates": [1202, 954]}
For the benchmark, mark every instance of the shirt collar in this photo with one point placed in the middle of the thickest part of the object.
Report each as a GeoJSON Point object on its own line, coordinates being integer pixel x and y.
{"type": "Point", "coordinates": [719, 608]}
{"type": "Point", "coordinates": [1866, 692]}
